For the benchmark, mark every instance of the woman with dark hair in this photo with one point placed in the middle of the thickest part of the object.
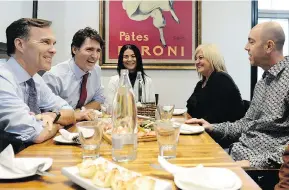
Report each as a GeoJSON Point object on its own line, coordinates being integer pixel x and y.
{"type": "Point", "coordinates": [130, 58]}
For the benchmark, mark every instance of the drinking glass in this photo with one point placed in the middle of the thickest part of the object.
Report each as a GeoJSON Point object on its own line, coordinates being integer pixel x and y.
{"type": "Point", "coordinates": [90, 135]}
{"type": "Point", "coordinates": [165, 111]}
{"type": "Point", "coordinates": [168, 133]}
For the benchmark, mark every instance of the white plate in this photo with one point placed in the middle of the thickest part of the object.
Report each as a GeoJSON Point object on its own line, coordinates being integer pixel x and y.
{"type": "Point", "coordinates": [188, 129]}
{"type": "Point", "coordinates": [63, 140]}
{"type": "Point", "coordinates": [8, 174]}
{"type": "Point", "coordinates": [60, 139]}
{"type": "Point", "coordinates": [214, 174]}
{"type": "Point", "coordinates": [72, 173]}
{"type": "Point", "coordinates": [179, 111]}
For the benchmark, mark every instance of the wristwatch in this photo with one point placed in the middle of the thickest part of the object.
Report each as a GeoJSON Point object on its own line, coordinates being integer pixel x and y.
{"type": "Point", "coordinates": [58, 114]}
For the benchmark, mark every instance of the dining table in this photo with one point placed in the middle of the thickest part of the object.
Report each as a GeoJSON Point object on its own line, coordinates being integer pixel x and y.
{"type": "Point", "coordinates": [192, 150]}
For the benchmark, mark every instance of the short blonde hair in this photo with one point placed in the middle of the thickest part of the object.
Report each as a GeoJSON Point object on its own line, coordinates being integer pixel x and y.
{"type": "Point", "coordinates": [212, 54]}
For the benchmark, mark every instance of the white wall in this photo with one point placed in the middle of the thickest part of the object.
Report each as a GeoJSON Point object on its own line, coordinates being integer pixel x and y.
{"type": "Point", "coordinates": [11, 11]}
{"type": "Point", "coordinates": [225, 23]}
{"type": "Point", "coordinates": [228, 24]}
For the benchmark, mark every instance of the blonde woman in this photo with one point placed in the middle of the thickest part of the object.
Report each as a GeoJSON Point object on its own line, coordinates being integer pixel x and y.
{"type": "Point", "coordinates": [216, 97]}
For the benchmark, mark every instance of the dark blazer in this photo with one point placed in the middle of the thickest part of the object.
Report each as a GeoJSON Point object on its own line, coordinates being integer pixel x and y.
{"type": "Point", "coordinates": [284, 172]}
{"type": "Point", "coordinates": [219, 101]}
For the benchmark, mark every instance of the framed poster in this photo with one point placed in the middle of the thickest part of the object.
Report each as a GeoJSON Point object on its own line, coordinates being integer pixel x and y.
{"type": "Point", "coordinates": [166, 31]}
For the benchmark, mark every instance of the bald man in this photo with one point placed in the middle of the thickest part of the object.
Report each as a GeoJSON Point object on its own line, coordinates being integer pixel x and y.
{"type": "Point", "coordinates": [261, 136]}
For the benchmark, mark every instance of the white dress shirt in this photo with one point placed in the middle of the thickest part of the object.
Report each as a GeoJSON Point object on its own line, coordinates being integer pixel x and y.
{"type": "Point", "coordinates": [15, 114]}
{"type": "Point", "coordinates": [65, 79]}
{"type": "Point", "coordinates": [113, 85]}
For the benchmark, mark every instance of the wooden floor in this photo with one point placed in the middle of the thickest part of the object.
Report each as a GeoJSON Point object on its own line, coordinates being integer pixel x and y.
{"type": "Point", "coordinates": [191, 151]}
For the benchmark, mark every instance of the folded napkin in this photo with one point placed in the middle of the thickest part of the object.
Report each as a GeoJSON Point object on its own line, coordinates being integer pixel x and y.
{"type": "Point", "coordinates": [11, 166]}
{"type": "Point", "coordinates": [171, 168]}
{"type": "Point", "coordinates": [74, 137]}
{"type": "Point", "coordinates": [202, 178]}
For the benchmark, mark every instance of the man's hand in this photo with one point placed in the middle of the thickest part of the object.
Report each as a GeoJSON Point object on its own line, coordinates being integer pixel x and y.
{"type": "Point", "coordinates": [47, 119]}
{"type": "Point", "coordinates": [85, 114]}
{"type": "Point", "coordinates": [208, 127]}
{"type": "Point", "coordinates": [47, 132]}
{"type": "Point", "coordinates": [243, 163]}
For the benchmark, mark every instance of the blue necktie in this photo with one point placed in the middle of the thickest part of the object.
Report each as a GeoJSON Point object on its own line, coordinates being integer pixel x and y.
{"type": "Point", "coordinates": [32, 97]}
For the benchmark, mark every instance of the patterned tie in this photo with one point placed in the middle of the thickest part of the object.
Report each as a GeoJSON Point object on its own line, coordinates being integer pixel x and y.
{"type": "Point", "coordinates": [32, 97]}
{"type": "Point", "coordinates": [83, 91]}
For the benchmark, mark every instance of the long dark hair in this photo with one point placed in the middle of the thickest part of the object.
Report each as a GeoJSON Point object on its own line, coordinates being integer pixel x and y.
{"type": "Point", "coordinates": [139, 64]}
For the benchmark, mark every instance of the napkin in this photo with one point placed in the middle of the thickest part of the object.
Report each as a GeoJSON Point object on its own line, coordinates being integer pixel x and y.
{"type": "Point", "coordinates": [74, 137]}
{"type": "Point", "coordinates": [171, 168]}
{"type": "Point", "coordinates": [202, 178]}
{"type": "Point", "coordinates": [9, 165]}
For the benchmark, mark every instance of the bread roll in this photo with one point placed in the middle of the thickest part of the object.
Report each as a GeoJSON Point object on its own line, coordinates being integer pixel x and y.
{"type": "Point", "coordinates": [87, 169]}
{"type": "Point", "coordinates": [102, 178]}
{"type": "Point", "coordinates": [140, 183]}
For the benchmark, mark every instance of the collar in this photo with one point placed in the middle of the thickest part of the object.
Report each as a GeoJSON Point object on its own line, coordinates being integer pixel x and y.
{"type": "Point", "coordinates": [76, 70]}
{"type": "Point", "coordinates": [20, 74]}
{"type": "Point", "coordinates": [276, 69]}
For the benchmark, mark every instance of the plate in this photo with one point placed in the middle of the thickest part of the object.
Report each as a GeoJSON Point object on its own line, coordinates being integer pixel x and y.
{"type": "Point", "coordinates": [72, 174]}
{"type": "Point", "coordinates": [60, 139]}
{"type": "Point", "coordinates": [218, 176]}
{"type": "Point", "coordinates": [179, 111]}
{"type": "Point", "coordinates": [188, 129]}
{"type": "Point", "coordinates": [8, 174]}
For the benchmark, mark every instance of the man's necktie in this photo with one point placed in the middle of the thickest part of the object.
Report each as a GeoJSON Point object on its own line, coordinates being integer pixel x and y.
{"type": "Point", "coordinates": [32, 97]}
{"type": "Point", "coordinates": [83, 91]}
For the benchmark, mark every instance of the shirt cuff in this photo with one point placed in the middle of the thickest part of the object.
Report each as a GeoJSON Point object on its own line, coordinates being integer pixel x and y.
{"type": "Point", "coordinates": [37, 129]}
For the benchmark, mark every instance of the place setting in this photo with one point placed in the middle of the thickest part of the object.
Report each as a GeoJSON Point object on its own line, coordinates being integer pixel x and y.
{"type": "Point", "coordinates": [16, 168]}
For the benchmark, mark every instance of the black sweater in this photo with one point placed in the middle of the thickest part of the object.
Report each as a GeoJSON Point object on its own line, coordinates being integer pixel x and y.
{"type": "Point", "coordinates": [219, 101]}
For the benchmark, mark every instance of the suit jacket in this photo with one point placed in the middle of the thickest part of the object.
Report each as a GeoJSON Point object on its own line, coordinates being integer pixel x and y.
{"type": "Point", "coordinates": [284, 172]}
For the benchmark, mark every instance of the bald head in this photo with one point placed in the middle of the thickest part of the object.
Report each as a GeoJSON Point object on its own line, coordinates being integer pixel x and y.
{"type": "Point", "coordinates": [272, 31]}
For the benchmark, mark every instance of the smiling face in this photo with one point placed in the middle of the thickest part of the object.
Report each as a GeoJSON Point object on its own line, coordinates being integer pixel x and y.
{"type": "Point", "coordinates": [87, 55]}
{"type": "Point", "coordinates": [37, 51]}
{"type": "Point", "coordinates": [204, 67]}
{"type": "Point", "coordinates": [255, 47]}
{"type": "Point", "coordinates": [129, 60]}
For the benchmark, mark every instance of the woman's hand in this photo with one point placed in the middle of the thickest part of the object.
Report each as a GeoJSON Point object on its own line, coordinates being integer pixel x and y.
{"type": "Point", "coordinates": [208, 127]}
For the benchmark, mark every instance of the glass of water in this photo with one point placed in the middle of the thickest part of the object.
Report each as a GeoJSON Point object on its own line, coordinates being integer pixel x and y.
{"type": "Point", "coordinates": [90, 135]}
{"type": "Point", "coordinates": [168, 133]}
{"type": "Point", "coordinates": [165, 111]}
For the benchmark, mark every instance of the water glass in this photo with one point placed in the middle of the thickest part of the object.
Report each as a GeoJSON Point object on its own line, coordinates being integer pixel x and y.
{"type": "Point", "coordinates": [165, 111]}
{"type": "Point", "coordinates": [90, 135]}
{"type": "Point", "coordinates": [168, 133]}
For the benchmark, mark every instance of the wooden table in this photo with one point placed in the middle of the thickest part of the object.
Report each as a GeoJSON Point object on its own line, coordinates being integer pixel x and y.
{"type": "Point", "coordinates": [191, 151]}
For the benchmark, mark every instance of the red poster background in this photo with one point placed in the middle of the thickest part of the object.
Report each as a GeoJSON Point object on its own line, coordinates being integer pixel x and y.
{"type": "Point", "coordinates": [179, 36]}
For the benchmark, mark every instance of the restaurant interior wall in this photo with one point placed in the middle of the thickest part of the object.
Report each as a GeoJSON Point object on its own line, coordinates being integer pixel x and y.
{"type": "Point", "coordinates": [226, 23]}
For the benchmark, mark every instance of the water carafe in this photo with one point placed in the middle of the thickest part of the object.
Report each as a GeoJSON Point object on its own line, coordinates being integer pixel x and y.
{"type": "Point", "coordinates": [124, 118]}
{"type": "Point", "coordinates": [139, 88]}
